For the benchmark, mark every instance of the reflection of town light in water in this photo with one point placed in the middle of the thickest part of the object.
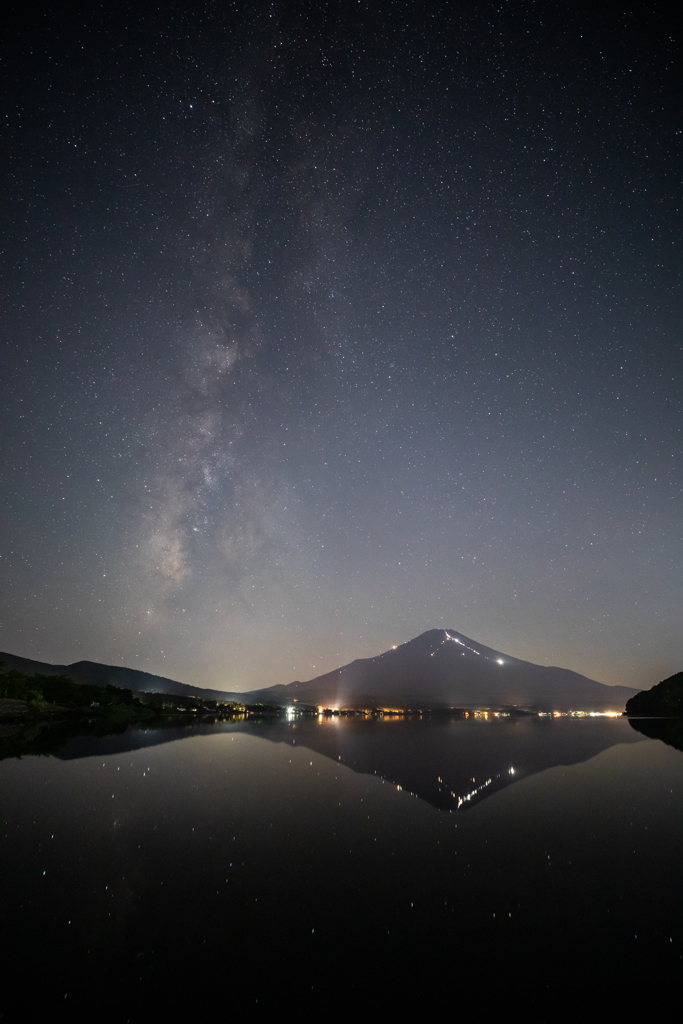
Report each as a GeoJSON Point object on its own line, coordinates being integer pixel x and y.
{"type": "Point", "coordinates": [463, 799]}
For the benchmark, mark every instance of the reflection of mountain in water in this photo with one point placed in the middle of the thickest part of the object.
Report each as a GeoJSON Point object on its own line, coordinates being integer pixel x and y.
{"type": "Point", "coordinates": [669, 730]}
{"type": "Point", "coordinates": [451, 763]}
{"type": "Point", "coordinates": [72, 740]}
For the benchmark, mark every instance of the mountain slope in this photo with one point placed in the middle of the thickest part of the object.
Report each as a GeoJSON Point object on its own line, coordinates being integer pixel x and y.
{"type": "Point", "coordinates": [444, 667]}
{"type": "Point", "coordinates": [665, 698]}
{"type": "Point", "coordinates": [439, 668]}
{"type": "Point", "coordinates": [114, 675]}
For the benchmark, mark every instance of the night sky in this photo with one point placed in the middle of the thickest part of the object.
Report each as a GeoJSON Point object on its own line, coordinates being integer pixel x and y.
{"type": "Point", "coordinates": [324, 324]}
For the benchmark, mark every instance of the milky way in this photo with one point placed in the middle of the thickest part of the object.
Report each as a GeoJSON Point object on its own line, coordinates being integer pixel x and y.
{"type": "Point", "coordinates": [324, 326]}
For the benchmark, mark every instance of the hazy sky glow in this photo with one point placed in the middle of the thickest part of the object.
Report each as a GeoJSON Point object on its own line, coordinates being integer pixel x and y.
{"type": "Point", "coordinates": [328, 324]}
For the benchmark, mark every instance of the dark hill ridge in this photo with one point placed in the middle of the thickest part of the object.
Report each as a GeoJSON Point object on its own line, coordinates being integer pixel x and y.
{"type": "Point", "coordinates": [124, 678]}
{"type": "Point", "coordinates": [666, 698]}
{"type": "Point", "coordinates": [440, 668]}
{"type": "Point", "coordinates": [445, 668]}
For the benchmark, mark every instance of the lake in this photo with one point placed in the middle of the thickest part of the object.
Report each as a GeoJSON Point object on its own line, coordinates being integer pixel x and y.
{"type": "Point", "coordinates": [344, 865]}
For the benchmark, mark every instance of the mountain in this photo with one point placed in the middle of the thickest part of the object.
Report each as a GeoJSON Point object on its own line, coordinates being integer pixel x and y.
{"type": "Point", "coordinates": [447, 669]}
{"type": "Point", "coordinates": [439, 669]}
{"type": "Point", "coordinates": [113, 675]}
{"type": "Point", "coordinates": [666, 698]}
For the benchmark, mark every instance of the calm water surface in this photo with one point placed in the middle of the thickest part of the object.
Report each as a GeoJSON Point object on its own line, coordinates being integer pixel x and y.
{"type": "Point", "coordinates": [368, 867]}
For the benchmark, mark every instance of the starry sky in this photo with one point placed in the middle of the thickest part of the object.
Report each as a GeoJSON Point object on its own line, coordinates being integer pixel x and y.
{"type": "Point", "coordinates": [325, 324]}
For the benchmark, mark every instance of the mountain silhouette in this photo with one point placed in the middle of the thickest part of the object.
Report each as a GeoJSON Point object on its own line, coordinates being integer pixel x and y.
{"type": "Point", "coordinates": [94, 673]}
{"type": "Point", "coordinates": [438, 669]}
{"type": "Point", "coordinates": [444, 668]}
{"type": "Point", "coordinates": [666, 698]}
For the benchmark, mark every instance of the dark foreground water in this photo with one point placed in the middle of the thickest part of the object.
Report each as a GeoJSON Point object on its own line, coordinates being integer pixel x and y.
{"type": "Point", "coordinates": [477, 870]}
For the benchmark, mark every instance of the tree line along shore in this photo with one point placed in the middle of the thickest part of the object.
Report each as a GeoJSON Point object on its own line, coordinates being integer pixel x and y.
{"type": "Point", "coordinates": [40, 697]}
